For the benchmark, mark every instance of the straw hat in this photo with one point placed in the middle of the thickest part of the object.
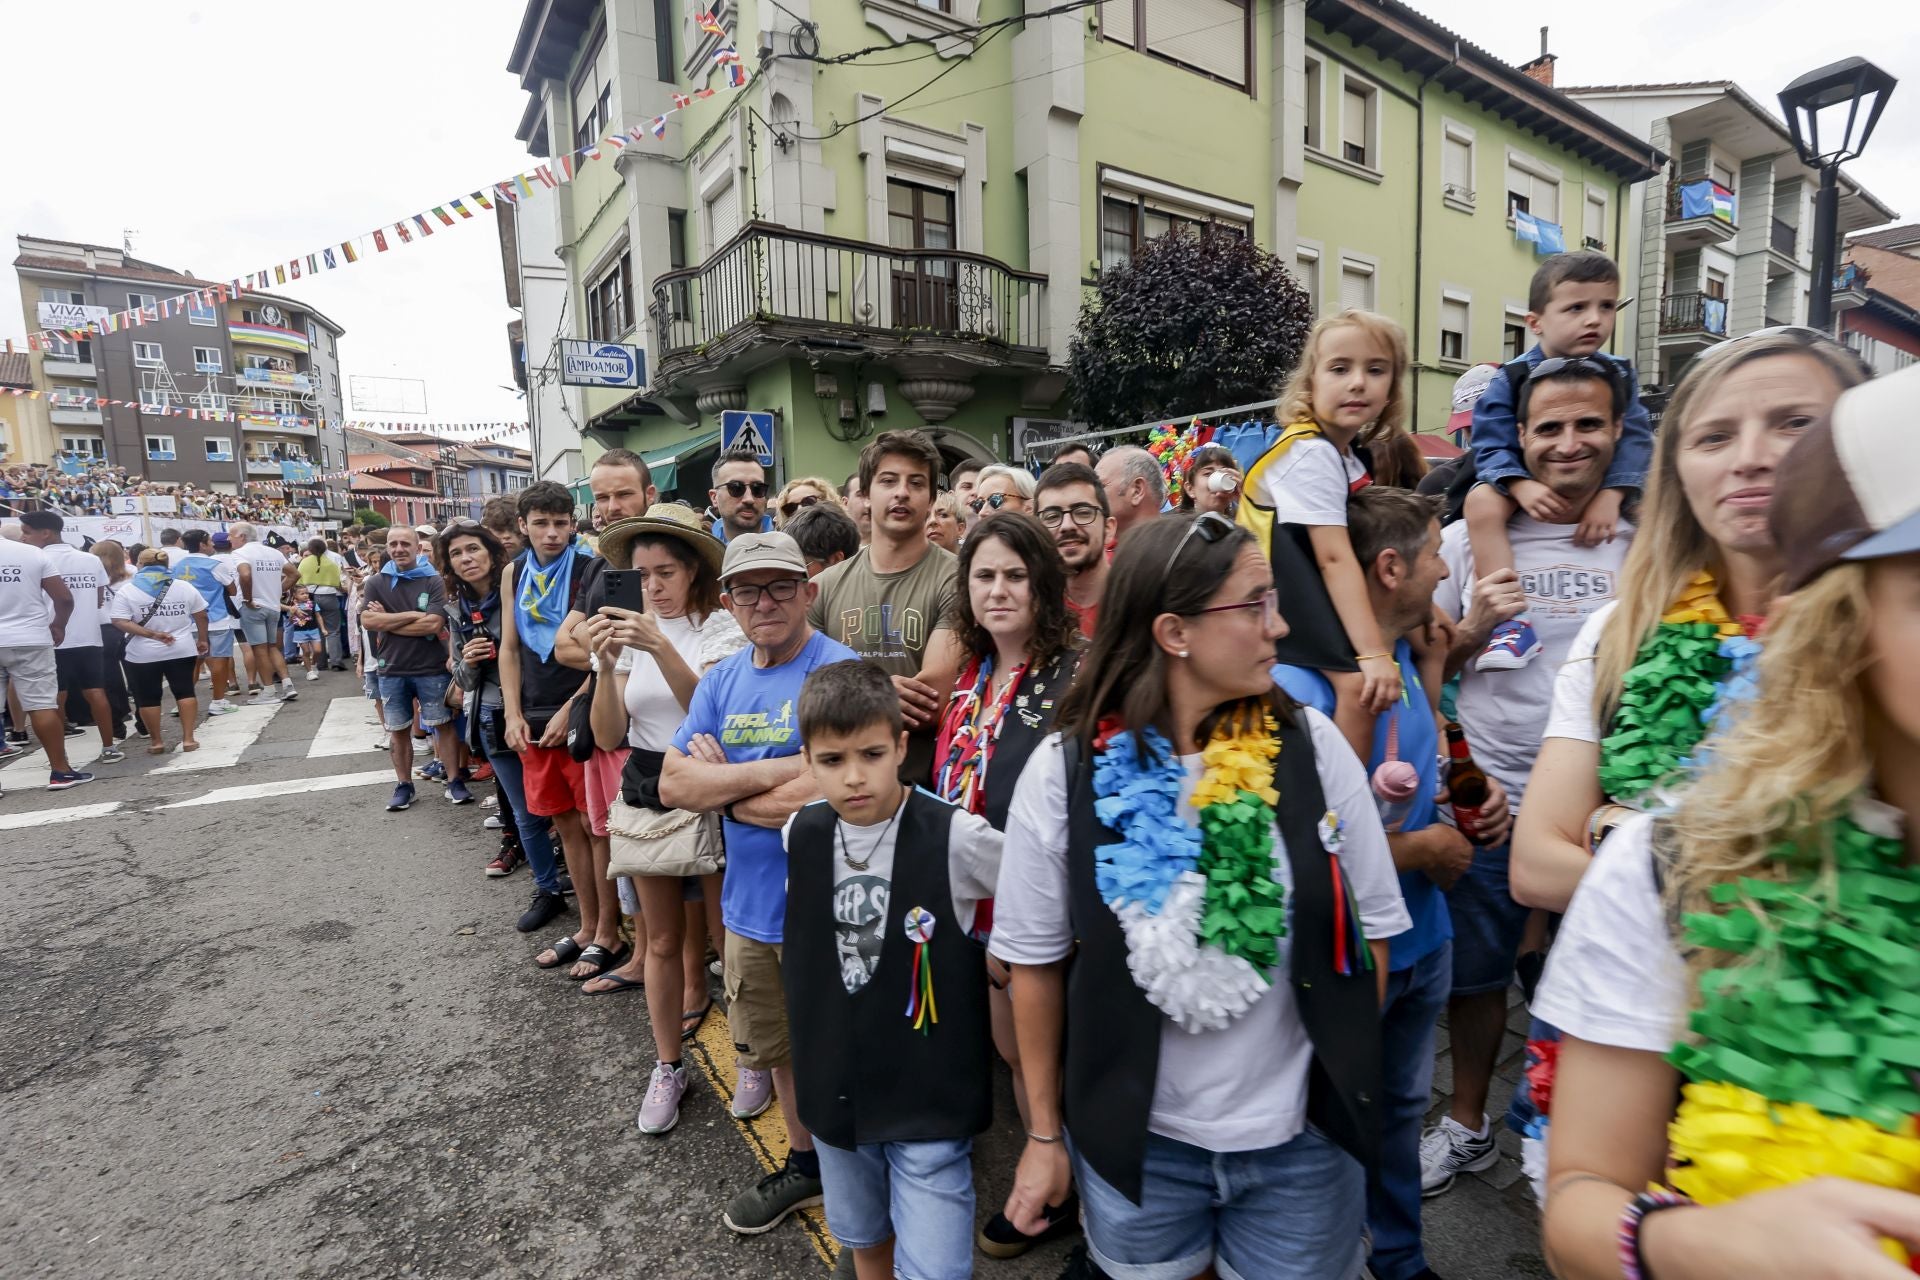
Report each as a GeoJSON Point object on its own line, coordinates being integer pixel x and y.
{"type": "Point", "coordinates": [668, 519]}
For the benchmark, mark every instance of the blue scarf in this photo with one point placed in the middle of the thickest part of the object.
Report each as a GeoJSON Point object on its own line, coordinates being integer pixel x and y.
{"type": "Point", "coordinates": [154, 580]}
{"type": "Point", "coordinates": [540, 603]}
{"type": "Point", "coordinates": [419, 570]}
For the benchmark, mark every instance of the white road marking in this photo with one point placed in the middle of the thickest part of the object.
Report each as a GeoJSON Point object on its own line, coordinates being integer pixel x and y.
{"type": "Point", "coordinates": [344, 731]}
{"type": "Point", "coordinates": [47, 817]}
{"type": "Point", "coordinates": [81, 752]}
{"type": "Point", "coordinates": [285, 787]}
{"type": "Point", "coordinates": [223, 739]}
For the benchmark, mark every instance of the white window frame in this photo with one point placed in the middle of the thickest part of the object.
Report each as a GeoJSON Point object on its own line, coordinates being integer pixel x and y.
{"type": "Point", "coordinates": [1332, 149]}
{"type": "Point", "coordinates": [1311, 251]}
{"type": "Point", "coordinates": [1361, 264]}
{"type": "Point", "coordinates": [154, 400]}
{"type": "Point", "coordinates": [1464, 299]}
{"type": "Point", "coordinates": [1454, 131]}
{"type": "Point", "coordinates": [84, 446]}
{"type": "Point", "coordinates": [141, 301]}
{"type": "Point", "coordinates": [207, 360]}
{"type": "Point", "coordinates": [1351, 83]}
{"type": "Point", "coordinates": [201, 313]}
{"type": "Point", "coordinates": [153, 361]}
{"type": "Point", "coordinates": [208, 400]}
{"type": "Point", "coordinates": [166, 446]}
{"type": "Point", "coordinates": [226, 448]}
{"type": "Point", "coordinates": [1594, 198]}
{"type": "Point", "coordinates": [1514, 317]}
{"type": "Point", "coordinates": [1540, 171]}
{"type": "Point", "coordinates": [253, 360]}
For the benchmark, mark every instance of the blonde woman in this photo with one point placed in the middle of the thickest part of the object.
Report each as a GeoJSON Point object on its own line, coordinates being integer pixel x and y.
{"type": "Point", "coordinates": [946, 522]}
{"type": "Point", "coordinates": [1002, 488]}
{"type": "Point", "coordinates": [807, 491]}
{"type": "Point", "coordinates": [1774, 905]}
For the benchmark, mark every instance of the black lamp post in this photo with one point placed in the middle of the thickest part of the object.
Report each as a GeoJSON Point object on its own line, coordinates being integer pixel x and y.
{"type": "Point", "coordinates": [1862, 90]}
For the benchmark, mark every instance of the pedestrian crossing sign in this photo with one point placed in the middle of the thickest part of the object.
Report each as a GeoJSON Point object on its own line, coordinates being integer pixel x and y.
{"type": "Point", "coordinates": [747, 430]}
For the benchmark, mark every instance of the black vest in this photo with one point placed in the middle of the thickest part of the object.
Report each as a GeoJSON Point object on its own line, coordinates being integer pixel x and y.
{"type": "Point", "coordinates": [546, 684]}
{"type": "Point", "coordinates": [1113, 1033]}
{"type": "Point", "coordinates": [861, 1072]}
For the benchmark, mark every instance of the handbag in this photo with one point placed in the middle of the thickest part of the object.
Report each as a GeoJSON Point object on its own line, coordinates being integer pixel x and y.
{"type": "Point", "coordinates": [580, 722]}
{"type": "Point", "coordinates": [657, 842]}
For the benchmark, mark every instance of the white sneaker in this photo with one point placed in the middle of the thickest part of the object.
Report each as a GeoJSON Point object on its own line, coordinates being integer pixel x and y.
{"type": "Point", "coordinates": [1449, 1149]}
{"type": "Point", "coordinates": [263, 698]}
{"type": "Point", "coordinates": [493, 823]}
{"type": "Point", "coordinates": [313, 674]}
{"type": "Point", "coordinates": [287, 692]}
{"type": "Point", "coordinates": [221, 707]}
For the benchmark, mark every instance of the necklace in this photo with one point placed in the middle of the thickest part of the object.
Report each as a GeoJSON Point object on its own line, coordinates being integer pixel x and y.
{"type": "Point", "coordinates": [840, 832]}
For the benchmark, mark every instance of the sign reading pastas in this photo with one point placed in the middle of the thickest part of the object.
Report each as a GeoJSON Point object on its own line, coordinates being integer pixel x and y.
{"type": "Point", "coordinates": [584, 363]}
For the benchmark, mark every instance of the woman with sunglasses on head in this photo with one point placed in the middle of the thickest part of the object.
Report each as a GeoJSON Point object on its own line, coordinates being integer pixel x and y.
{"type": "Point", "coordinates": [1022, 645]}
{"type": "Point", "coordinates": [1649, 673]}
{"type": "Point", "coordinates": [798, 495]}
{"type": "Point", "coordinates": [1735, 976]}
{"type": "Point", "coordinates": [1196, 902]}
{"type": "Point", "coordinates": [1002, 488]}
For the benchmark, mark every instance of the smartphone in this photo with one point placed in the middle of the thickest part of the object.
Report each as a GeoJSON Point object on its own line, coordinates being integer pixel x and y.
{"type": "Point", "coordinates": [627, 589]}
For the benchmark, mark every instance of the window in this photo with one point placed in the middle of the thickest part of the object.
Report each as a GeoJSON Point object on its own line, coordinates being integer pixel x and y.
{"type": "Point", "coordinates": [1356, 285]}
{"type": "Point", "coordinates": [83, 446]}
{"type": "Point", "coordinates": [592, 92]}
{"type": "Point", "coordinates": [1314, 105]}
{"type": "Point", "coordinates": [1716, 283]}
{"type": "Point", "coordinates": [1357, 118]}
{"type": "Point", "coordinates": [219, 449]}
{"type": "Point", "coordinates": [1130, 218]}
{"type": "Point", "coordinates": [1208, 36]}
{"type": "Point", "coordinates": [154, 400]}
{"type": "Point", "coordinates": [493, 482]}
{"type": "Point", "coordinates": [1595, 226]}
{"type": "Point", "coordinates": [66, 349]}
{"type": "Point", "coordinates": [610, 302]}
{"type": "Point", "coordinates": [206, 359]}
{"type": "Point", "coordinates": [333, 383]}
{"type": "Point", "coordinates": [1533, 187]}
{"type": "Point", "coordinates": [680, 295]}
{"type": "Point", "coordinates": [142, 302]}
{"type": "Point", "coordinates": [199, 312]}
{"type": "Point", "coordinates": [1453, 327]}
{"type": "Point", "coordinates": [313, 334]}
{"type": "Point", "coordinates": [249, 317]}
{"type": "Point", "coordinates": [1723, 174]}
{"type": "Point", "coordinates": [723, 217]}
{"type": "Point", "coordinates": [160, 449]}
{"type": "Point", "coordinates": [663, 64]}
{"type": "Point", "coordinates": [257, 362]}
{"type": "Point", "coordinates": [1456, 166]}
{"type": "Point", "coordinates": [208, 400]}
{"type": "Point", "coordinates": [1513, 336]}
{"type": "Point", "coordinates": [1306, 269]}
{"type": "Point", "coordinates": [147, 355]}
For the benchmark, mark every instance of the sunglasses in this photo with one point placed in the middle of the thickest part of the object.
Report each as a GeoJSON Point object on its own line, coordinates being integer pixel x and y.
{"type": "Point", "coordinates": [1554, 365]}
{"type": "Point", "coordinates": [1082, 513]}
{"type": "Point", "coordinates": [740, 488]}
{"type": "Point", "coordinates": [1211, 526]}
{"type": "Point", "coordinates": [747, 595]}
{"type": "Point", "coordinates": [993, 503]}
{"type": "Point", "coordinates": [798, 504]}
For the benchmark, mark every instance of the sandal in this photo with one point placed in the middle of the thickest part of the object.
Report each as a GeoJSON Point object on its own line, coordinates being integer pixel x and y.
{"type": "Point", "coordinates": [189, 746]}
{"type": "Point", "coordinates": [620, 983]}
{"type": "Point", "coordinates": [157, 749]}
{"type": "Point", "coordinates": [565, 951]}
{"type": "Point", "coordinates": [696, 1017]}
{"type": "Point", "coordinates": [601, 959]}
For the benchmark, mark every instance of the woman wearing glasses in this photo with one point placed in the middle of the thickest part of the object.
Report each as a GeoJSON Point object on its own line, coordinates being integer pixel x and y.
{"type": "Point", "coordinates": [807, 491]}
{"type": "Point", "coordinates": [1210, 855]}
{"type": "Point", "coordinates": [1022, 646]}
{"type": "Point", "coordinates": [1002, 488]}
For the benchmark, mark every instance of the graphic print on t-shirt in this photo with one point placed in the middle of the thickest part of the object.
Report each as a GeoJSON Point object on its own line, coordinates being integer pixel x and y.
{"type": "Point", "coordinates": [1566, 588]}
{"type": "Point", "coordinates": [756, 728]}
{"type": "Point", "coordinates": [859, 919]}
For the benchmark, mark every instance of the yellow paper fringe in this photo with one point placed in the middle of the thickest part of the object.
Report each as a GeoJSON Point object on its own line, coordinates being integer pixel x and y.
{"type": "Point", "coordinates": [1700, 602]}
{"type": "Point", "coordinates": [1732, 1142]}
{"type": "Point", "coordinates": [1239, 762]}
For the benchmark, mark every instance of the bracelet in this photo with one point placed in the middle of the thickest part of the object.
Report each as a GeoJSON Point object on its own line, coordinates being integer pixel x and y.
{"type": "Point", "coordinates": [1599, 826]}
{"type": "Point", "coordinates": [1369, 657]}
{"type": "Point", "coordinates": [1633, 1265]}
{"type": "Point", "coordinates": [1035, 1137]}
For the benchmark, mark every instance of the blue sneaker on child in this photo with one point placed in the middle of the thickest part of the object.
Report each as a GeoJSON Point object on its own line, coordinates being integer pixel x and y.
{"type": "Point", "coordinates": [1512, 646]}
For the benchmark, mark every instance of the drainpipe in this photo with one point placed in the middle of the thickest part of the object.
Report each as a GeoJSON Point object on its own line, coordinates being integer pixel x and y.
{"type": "Point", "coordinates": [1619, 250]}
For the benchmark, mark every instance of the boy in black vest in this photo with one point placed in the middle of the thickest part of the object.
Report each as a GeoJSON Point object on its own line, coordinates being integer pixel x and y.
{"type": "Point", "coordinates": [891, 1043]}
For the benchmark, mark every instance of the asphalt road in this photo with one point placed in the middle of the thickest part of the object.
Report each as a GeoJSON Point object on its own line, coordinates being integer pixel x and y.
{"type": "Point", "coordinates": [276, 1029]}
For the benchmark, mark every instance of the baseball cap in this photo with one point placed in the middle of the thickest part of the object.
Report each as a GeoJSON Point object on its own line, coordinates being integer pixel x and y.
{"type": "Point", "coordinates": [222, 540]}
{"type": "Point", "coordinates": [1467, 390]}
{"type": "Point", "coordinates": [1849, 489]}
{"type": "Point", "coordinates": [752, 551]}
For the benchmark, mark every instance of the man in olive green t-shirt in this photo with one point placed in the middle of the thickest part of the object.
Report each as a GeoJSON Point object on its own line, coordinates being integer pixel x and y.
{"type": "Point", "coordinates": [893, 603]}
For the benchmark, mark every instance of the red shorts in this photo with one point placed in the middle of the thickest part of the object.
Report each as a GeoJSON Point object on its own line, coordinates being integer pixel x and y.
{"type": "Point", "coordinates": [556, 783]}
{"type": "Point", "coordinates": [603, 786]}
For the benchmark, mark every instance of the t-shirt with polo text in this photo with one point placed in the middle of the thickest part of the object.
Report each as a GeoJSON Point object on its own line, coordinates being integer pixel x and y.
{"type": "Point", "coordinates": [404, 655]}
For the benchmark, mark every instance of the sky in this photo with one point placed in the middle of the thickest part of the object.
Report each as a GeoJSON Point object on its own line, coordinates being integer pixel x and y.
{"type": "Point", "coordinates": [229, 135]}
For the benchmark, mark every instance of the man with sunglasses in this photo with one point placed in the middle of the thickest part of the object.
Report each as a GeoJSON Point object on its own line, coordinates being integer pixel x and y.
{"type": "Point", "coordinates": [739, 495]}
{"type": "Point", "coordinates": [1071, 502]}
{"type": "Point", "coordinates": [738, 753]}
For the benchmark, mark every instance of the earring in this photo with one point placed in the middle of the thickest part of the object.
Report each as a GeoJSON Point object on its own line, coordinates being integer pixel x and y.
{"type": "Point", "coordinates": [1183, 653]}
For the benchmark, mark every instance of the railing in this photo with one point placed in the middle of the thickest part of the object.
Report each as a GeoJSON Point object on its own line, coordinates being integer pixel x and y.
{"type": "Point", "coordinates": [1693, 313]}
{"type": "Point", "coordinates": [1786, 237]}
{"type": "Point", "coordinates": [775, 274]}
{"type": "Point", "coordinates": [1850, 275]}
{"type": "Point", "coordinates": [1701, 198]}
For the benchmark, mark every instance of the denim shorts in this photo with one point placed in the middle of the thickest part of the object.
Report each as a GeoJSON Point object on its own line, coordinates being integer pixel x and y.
{"type": "Point", "coordinates": [220, 643]}
{"type": "Point", "coordinates": [262, 626]}
{"type": "Point", "coordinates": [1487, 924]}
{"type": "Point", "coordinates": [397, 696]}
{"type": "Point", "coordinates": [919, 1194]}
{"type": "Point", "coordinates": [1291, 1212]}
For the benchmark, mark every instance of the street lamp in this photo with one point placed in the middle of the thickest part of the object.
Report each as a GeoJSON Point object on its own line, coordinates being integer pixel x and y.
{"type": "Point", "coordinates": [1841, 90]}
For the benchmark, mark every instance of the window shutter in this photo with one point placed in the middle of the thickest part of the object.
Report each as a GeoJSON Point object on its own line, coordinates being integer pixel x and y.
{"type": "Point", "coordinates": [723, 216]}
{"type": "Point", "coordinates": [1453, 316]}
{"type": "Point", "coordinates": [1546, 200]}
{"type": "Point", "coordinates": [1519, 181]}
{"type": "Point", "coordinates": [1208, 35]}
{"type": "Point", "coordinates": [1686, 272]}
{"type": "Point", "coordinates": [1457, 166]}
{"type": "Point", "coordinates": [1356, 289]}
{"type": "Point", "coordinates": [1353, 117]}
{"type": "Point", "coordinates": [1596, 220]}
{"type": "Point", "coordinates": [1116, 21]}
{"type": "Point", "coordinates": [1693, 159]}
{"type": "Point", "coordinates": [1306, 269]}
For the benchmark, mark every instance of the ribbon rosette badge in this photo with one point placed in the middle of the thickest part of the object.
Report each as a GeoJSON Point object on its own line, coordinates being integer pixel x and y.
{"type": "Point", "coordinates": [920, 925]}
{"type": "Point", "coordinates": [920, 1006]}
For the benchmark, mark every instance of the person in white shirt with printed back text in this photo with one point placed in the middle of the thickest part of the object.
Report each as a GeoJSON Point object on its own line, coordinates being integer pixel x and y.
{"type": "Point", "coordinates": [35, 607]}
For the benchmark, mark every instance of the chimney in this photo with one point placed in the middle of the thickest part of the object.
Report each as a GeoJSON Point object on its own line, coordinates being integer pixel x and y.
{"type": "Point", "coordinates": [1541, 68]}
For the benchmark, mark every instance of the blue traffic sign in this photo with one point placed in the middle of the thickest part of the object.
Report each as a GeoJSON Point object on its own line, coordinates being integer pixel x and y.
{"type": "Point", "coordinates": [745, 429]}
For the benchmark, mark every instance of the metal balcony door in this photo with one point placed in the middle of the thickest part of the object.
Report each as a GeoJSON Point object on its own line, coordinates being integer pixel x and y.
{"type": "Point", "coordinates": [923, 289]}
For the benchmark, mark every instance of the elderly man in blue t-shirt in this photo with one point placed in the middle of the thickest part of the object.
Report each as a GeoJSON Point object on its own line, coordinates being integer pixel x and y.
{"type": "Point", "coordinates": [1396, 539]}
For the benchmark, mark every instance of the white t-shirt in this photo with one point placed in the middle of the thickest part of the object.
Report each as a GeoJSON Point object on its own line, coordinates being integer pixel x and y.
{"type": "Point", "coordinates": [26, 615]}
{"type": "Point", "coordinates": [84, 575]}
{"type": "Point", "coordinates": [653, 713]}
{"type": "Point", "coordinates": [1505, 712]}
{"type": "Point", "coordinates": [175, 555]}
{"type": "Point", "coordinates": [861, 894]}
{"type": "Point", "coordinates": [269, 570]}
{"type": "Point", "coordinates": [1310, 484]}
{"type": "Point", "coordinates": [175, 615]}
{"type": "Point", "coordinates": [1572, 714]}
{"type": "Point", "coordinates": [1244, 1088]}
{"type": "Point", "coordinates": [226, 572]}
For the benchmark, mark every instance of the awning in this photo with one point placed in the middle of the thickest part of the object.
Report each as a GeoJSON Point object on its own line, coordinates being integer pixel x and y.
{"type": "Point", "coordinates": [664, 462]}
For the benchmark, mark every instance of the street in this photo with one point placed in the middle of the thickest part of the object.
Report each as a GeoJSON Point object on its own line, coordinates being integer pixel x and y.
{"type": "Point", "coordinates": [252, 1022]}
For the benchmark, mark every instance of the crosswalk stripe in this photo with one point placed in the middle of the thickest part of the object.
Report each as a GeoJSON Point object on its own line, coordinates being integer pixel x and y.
{"type": "Point", "coordinates": [344, 730]}
{"type": "Point", "coordinates": [223, 739]}
{"type": "Point", "coordinates": [46, 817]}
{"type": "Point", "coordinates": [81, 752]}
{"type": "Point", "coordinates": [284, 787]}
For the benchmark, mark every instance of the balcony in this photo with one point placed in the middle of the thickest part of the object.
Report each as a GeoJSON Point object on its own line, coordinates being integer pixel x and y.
{"type": "Point", "coordinates": [1699, 213]}
{"type": "Point", "coordinates": [264, 378]}
{"type": "Point", "coordinates": [1692, 320]}
{"type": "Point", "coordinates": [257, 466]}
{"type": "Point", "coordinates": [1850, 286]}
{"type": "Point", "coordinates": [939, 316]}
{"type": "Point", "coordinates": [73, 415]}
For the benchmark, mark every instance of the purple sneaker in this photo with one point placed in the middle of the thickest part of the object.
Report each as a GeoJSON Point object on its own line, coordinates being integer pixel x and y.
{"type": "Point", "coordinates": [661, 1110]}
{"type": "Point", "coordinates": [753, 1094]}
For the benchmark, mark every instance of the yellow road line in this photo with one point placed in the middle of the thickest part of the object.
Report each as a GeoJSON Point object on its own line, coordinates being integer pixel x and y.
{"type": "Point", "coordinates": [766, 1134]}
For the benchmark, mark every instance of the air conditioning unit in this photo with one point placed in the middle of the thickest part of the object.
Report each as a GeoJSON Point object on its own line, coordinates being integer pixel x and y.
{"type": "Point", "coordinates": [1030, 432]}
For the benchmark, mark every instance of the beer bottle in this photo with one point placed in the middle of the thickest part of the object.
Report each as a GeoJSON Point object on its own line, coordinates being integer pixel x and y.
{"type": "Point", "coordinates": [1467, 783]}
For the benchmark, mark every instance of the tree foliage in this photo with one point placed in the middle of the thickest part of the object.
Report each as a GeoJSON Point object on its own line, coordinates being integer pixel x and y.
{"type": "Point", "coordinates": [1193, 322]}
{"type": "Point", "coordinates": [368, 518]}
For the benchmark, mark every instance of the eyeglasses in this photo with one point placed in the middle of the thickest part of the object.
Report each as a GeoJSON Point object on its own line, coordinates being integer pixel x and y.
{"type": "Point", "coordinates": [747, 595]}
{"type": "Point", "coordinates": [1083, 513]}
{"type": "Point", "coordinates": [1210, 525]}
{"type": "Point", "coordinates": [995, 501]}
{"type": "Point", "coordinates": [1270, 602]}
{"type": "Point", "coordinates": [739, 488]}
{"type": "Point", "coordinates": [798, 504]}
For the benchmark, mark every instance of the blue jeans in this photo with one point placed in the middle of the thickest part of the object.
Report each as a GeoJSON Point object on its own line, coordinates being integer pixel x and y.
{"type": "Point", "coordinates": [398, 694]}
{"type": "Point", "coordinates": [1415, 997]}
{"type": "Point", "coordinates": [333, 610]}
{"type": "Point", "coordinates": [536, 839]}
{"type": "Point", "coordinates": [1291, 1212]}
{"type": "Point", "coordinates": [919, 1194]}
{"type": "Point", "coordinates": [1487, 923]}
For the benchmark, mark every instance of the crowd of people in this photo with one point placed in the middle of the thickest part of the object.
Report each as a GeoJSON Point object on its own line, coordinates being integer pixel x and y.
{"type": "Point", "coordinates": [91, 488]}
{"type": "Point", "coordinates": [1199, 815]}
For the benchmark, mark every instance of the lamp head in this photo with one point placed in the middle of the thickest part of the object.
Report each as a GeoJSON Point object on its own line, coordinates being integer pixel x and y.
{"type": "Point", "coordinates": [1853, 92]}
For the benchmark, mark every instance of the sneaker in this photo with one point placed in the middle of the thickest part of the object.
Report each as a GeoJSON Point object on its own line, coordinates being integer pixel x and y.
{"type": "Point", "coordinates": [1081, 1266]}
{"type": "Point", "coordinates": [385, 744]}
{"type": "Point", "coordinates": [432, 771]}
{"type": "Point", "coordinates": [504, 862]}
{"type": "Point", "coordinates": [111, 755]}
{"type": "Point", "coordinates": [752, 1094]}
{"type": "Point", "coordinates": [482, 773]}
{"type": "Point", "coordinates": [491, 802]}
{"type": "Point", "coordinates": [80, 730]}
{"type": "Point", "coordinates": [140, 728]}
{"type": "Point", "coordinates": [8, 751]}
{"type": "Point", "coordinates": [287, 692]}
{"type": "Point", "coordinates": [262, 698]}
{"type": "Point", "coordinates": [457, 793]}
{"type": "Point", "coordinates": [566, 884]}
{"type": "Point", "coordinates": [1450, 1149]}
{"type": "Point", "coordinates": [221, 707]}
{"type": "Point", "coordinates": [493, 823]}
{"type": "Point", "coordinates": [313, 673]}
{"type": "Point", "coordinates": [57, 781]}
{"type": "Point", "coordinates": [766, 1204]}
{"type": "Point", "coordinates": [999, 1238]}
{"type": "Point", "coordinates": [1512, 646]}
{"type": "Point", "coordinates": [544, 907]}
{"type": "Point", "coordinates": [661, 1109]}
{"type": "Point", "coordinates": [18, 737]}
{"type": "Point", "coordinates": [402, 798]}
